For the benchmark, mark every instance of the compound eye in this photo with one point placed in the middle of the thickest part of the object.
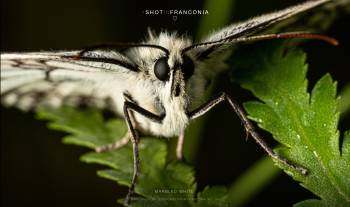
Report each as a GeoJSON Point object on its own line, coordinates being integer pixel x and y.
{"type": "Point", "coordinates": [162, 69]}
{"type": "Point", "coordinates": [187, 67]}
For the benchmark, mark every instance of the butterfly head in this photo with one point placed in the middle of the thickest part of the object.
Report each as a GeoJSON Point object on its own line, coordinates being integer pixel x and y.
{"type": "Point", "coordinates": [177, 73]}
{"type": "Point", "coordinates": [167, 66]}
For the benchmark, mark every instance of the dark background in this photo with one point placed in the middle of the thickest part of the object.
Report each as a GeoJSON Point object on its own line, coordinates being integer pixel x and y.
{"type": "Point", "coordinates": [37, 170]}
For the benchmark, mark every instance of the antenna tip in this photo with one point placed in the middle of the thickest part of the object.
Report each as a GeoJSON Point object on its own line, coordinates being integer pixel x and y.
{"type": "Point", "coordinates": [334, 42]}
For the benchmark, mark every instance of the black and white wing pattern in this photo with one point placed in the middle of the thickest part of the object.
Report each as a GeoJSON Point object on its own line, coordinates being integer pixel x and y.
{"type": "Point", "coordinates": [252, 25]}
{"type": "Point", "coordinates": [29, 80]}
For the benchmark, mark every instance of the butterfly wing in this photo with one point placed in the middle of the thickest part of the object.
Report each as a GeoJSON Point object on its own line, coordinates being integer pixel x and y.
{"type": "Point", "coordinates": [30, 80]}
{"type": "Point", "coordinates": [252, 25]}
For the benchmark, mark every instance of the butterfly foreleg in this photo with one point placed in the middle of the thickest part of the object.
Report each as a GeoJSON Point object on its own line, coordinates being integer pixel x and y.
{"type": "Point", "coordinates": [179, 146]}
{"type": "Point", "coordinates": [130, 107]}
{"type": "Point", "coordinates": [116, 145]}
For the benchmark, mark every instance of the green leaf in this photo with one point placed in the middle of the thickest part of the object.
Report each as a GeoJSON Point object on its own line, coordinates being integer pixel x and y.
{"type": "Point", "coordinates": [87, 127]}
{"type": "Point", "coordinates": [344, 103]}
{"type": "Point", "coordinates": [305, 124]}
{"type": "Point", "coordinates": [212, 196]}
{"type": "Point", "coordinates": [160, 183]}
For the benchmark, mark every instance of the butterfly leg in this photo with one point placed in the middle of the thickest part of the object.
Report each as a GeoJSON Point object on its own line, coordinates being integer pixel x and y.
{"type": "Point", "coordinates": [125, 140]}
{"type": "Point", "coordinates": [247, 125]}
{"type": "Point", "coordinates": [130, 107]}
{"type": "Point", "coordinates": [179, 146]}
{"type": "Point", "coordinates": [116, 145]}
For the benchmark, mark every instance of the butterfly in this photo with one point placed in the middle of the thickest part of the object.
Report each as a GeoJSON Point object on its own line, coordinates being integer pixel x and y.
{"type": "Point", "coordinates": [157, 85]}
